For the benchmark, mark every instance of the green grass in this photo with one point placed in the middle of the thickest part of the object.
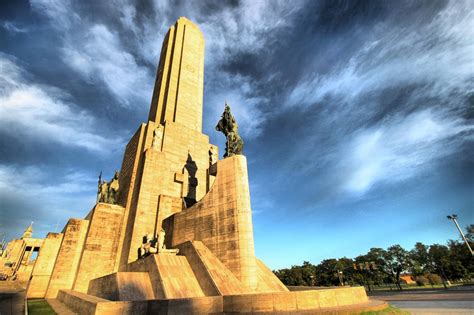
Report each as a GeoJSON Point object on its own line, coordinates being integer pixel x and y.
{"type": "Point", "coordinates": [39, 307]}
{"type": "Point", "coordinates": [412, 287]}
{"type": "Point", "coordinates": [389, 310]}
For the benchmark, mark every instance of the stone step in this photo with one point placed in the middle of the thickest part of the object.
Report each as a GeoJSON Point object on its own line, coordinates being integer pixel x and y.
{"type": "Point", "coordinates": [59, 307]}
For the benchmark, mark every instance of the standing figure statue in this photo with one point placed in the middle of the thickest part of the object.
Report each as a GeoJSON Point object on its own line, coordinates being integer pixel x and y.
{"type": "Point", "coordinates": [108, 192]}
{"type": "Point", "coordinates": [228, 126]}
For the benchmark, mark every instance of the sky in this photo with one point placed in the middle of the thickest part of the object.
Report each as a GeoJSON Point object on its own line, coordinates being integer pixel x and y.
{"type": "Point", "coordinates": [357, 116]}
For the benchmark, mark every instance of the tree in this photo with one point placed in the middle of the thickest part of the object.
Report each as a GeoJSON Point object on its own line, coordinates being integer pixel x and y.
{"type": "Point", "coordinates": [420, 261]}
{"type": "Point", "coordinates": [397, 261]}
{"type": "Point", "coordinates": [439, 259]}
{"type": "Point", "coordinates": [366, 271]}
{"type": "Point", "coordinates": [470, 233]}
{"type": "Point", "coordinates": [460, 263]}
{"type": "Point", "coordinates": [326, 272]}
{"type": "Point", "coordinates": [298, 275]}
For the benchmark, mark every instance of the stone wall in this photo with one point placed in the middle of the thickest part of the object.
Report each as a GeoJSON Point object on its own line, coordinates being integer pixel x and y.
{"type": "Point", "coordinates": [67, 262]}
{"type": "Point", "coordinates": [44, 265]}
{"type": "Point", "coordinates": [222, 220]}
{"type": "Point", "coordinates": [101, 245]}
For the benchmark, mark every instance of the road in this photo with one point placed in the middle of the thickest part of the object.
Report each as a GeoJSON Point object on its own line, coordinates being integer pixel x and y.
{"type": "Point", "coordinates": [431, 301]}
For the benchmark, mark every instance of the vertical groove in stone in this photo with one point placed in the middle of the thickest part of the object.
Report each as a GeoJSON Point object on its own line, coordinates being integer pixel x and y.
{"type": "Point", "coordinates": [179, 74]}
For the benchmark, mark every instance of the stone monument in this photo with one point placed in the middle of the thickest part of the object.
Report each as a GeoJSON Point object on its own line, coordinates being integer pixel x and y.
{"type": "Point", "coordinates": [172, 233]}
{"type": "Point", "coordinates": [17, 260]}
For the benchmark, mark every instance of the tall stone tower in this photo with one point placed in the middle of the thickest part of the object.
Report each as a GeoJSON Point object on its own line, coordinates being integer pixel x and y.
{"type": "Point", "coordinates": [178, 92]}
{"type": "Point", "coordinates": [165, 166]}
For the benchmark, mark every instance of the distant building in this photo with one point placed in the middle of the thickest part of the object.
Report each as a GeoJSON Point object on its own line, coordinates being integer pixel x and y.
{"type": "Point", "coordinates": [18, 258]}
{"type": "Point", "coordinates": [407, 279]}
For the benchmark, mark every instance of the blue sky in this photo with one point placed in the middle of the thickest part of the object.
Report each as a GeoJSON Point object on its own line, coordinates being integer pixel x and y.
{"type": "Point", "coordinates": [357, 116]}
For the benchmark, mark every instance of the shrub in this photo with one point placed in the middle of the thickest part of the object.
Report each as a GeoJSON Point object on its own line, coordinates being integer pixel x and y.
{"type": "Point", "coordinates": [422, 280]}
{"type": "Point", "coordinates": [434, 279]}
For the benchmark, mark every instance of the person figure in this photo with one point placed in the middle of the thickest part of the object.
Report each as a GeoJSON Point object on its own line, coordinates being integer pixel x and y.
{"type": "Point", "coordinates": [113, 188]}
{"type": "Point", "coordinates": [161, 240]}
{"type": "Point", "coordinates": [157, 138]}
{"type": "Point", "coordinates": [212, 155]}
{"type": "Point", "coordinates": [103, 191]}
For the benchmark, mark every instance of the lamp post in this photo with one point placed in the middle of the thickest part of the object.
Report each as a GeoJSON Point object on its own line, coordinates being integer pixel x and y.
{"type": "Point", "coordinates": [340, 275]}
{"type": "Point", "coordinates": [453, 218]}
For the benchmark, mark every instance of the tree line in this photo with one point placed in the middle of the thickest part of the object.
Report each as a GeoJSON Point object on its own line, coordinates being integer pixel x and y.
{"type": "Point", "coordinates": [427, 264]}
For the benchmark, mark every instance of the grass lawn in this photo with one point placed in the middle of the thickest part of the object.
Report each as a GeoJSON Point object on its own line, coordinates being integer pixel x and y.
{"type": "Point", "coordinates": [39, 307]}
{"type": "Point", "coordinates": [389, 310]}
{"type": "Point", "coordinates": [412, 287]}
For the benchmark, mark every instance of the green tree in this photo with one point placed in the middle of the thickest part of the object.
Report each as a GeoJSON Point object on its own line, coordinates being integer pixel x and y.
{"type": "Point", "coordinates": [397, 261]}
{"type": "Point", "coordinates": [460, 263]}
{"type": "Point", "coordinates": [420, 260]}
{"type": "Point", "coordinates": [298, 275]}
{"type": "Point", "coordinates": [470, 233]}
{"type": "Point", "coordinates": [439, 259]}
{"type": "Point", "coordinates": [326, 273]}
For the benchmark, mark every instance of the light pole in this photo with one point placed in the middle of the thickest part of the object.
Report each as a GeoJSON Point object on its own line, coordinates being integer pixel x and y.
{"type": "Point", "coordinates": [339, 275]}
{"type": "Point", "coordinates": [453, 218]}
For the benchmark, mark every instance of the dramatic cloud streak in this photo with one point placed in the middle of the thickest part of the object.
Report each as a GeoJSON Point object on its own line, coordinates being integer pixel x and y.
{"type": "Point", "coordinates": [43, 113]}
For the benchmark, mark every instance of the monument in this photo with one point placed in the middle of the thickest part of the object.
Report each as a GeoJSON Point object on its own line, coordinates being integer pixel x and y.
{"type": "Point", "coordinates": [172, 231]}
{"type": "Point", "coordinates": [18, 258]}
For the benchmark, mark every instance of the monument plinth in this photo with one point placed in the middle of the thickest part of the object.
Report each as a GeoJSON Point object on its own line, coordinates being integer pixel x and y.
{"type": "Point", "coordinates": [172, 232]}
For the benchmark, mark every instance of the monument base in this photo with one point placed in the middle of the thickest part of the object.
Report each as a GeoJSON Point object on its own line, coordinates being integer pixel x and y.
{"type": "Point", "coordinates": [324, 301]}
{"type": "Point", "coordinates": [196, 282]}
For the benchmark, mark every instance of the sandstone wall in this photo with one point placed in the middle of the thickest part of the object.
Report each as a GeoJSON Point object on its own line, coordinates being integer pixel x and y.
{"type": "Point", "coordinates": [44, 265]}
{"type": "Point", "coordinates": [67, 262]}
{"type": "Point", "coordinates": [101, 245]}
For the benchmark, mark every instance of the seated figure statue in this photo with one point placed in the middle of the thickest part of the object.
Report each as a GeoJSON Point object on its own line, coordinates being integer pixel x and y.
{"type": "Point", "coordinates": [154, 245]}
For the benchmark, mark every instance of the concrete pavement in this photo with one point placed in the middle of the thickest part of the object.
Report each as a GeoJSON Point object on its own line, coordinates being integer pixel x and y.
{"type": "Point", "coordinates": [12, 298]}
{"type": "Point", "coordinates": [431, 301]}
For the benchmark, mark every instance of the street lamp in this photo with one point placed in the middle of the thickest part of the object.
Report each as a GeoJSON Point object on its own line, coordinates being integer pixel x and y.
{"type": "Point", "coordinates": [340, 275]}
{"type": "Point", "coordinates": [453, 218]}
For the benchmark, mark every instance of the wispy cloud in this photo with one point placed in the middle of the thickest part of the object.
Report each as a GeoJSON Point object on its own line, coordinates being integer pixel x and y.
{"type": "Point", "coordinates": [14, 27]}
{"type": "Point", "coordinates": [439, 53]}
{"type": "Point", "coordinates": [44, 113]}
{"type": "Point", "coordinates": [101, 57]}
{"type": "Point", "coordinates": [30, 193]}
{"type": "Point", "coordinates": [399, 149]}
{"type": "Point", "coordinates": [96, 52]}
{"type": "Point", "coordinates": [395, 109]}
{"type": "Point", "coordinates": [99, 54]}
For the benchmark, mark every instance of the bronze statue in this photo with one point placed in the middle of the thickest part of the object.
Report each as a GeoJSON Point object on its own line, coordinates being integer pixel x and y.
{"type": "Point", "coordinates": [228, 126]}
{"type": "Point", "coordinates": [107, 192]}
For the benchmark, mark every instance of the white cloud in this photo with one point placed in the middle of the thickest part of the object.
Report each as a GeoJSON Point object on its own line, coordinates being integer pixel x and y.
{"type": "Point", "coordinates": [101, 57]}
{"type": "Point", "coordinates": [440, 53]}
{"type": "Point", "coordinates": [370, 140]}
{"type": "Point", "coordinates": [35, 182]}
{"type": "Point", "coordinates": [399, 149]}
{"type": "Point", "coordinates": [97, 53]}
{"type": "Point", "coordinates": [246, 109]}
{"type": "Point", "coordinates": [30, 193]}
{"type": "Point", "coordinates": [13, 27]}
{"type": "Point", "coordinates": [42, 113]}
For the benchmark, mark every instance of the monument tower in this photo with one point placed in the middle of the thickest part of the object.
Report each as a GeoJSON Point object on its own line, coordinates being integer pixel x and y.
{"type": "Point", "coordinates": [172, 231]}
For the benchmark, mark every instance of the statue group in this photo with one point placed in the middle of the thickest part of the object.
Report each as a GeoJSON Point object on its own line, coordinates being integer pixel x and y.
{"type": "Point", "coordinates": [228, 126]}
{"type": "Point", "coordinates": [107, 191]}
